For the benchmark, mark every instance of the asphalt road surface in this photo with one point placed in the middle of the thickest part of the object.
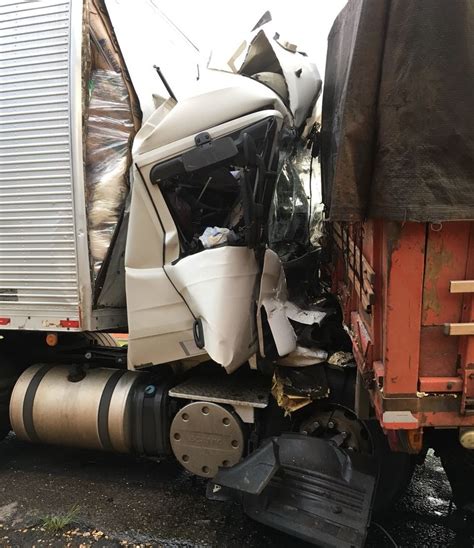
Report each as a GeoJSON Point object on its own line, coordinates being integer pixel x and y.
{"type": "Point", "coordinates": [124, 501]}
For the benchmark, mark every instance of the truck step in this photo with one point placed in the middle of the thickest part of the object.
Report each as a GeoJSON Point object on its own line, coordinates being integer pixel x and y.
{"type": "Point", "coordinates": [317, 492]}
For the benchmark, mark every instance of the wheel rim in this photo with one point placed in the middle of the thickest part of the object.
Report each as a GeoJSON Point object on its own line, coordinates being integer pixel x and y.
{"type": "Point", "coordinates": [339, 425]}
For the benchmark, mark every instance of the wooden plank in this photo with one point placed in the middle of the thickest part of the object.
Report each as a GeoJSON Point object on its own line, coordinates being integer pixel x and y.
{"type": "Point", "coordinates": [461, 286]}
{"type": "Point", "coordinates": [354, 256]}
{"type": "Point", "coordinates": [353, 259]}
{"type": "Point", "coordinates": [367, 298]}
{"type": "Point", "coordinates": [366, 291]}
{"type": "Point", "coordinates": [459, 328]}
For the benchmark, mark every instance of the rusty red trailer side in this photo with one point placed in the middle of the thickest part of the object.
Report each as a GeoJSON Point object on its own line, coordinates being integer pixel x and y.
{"type": "Point", "coordinates": [408, 301]}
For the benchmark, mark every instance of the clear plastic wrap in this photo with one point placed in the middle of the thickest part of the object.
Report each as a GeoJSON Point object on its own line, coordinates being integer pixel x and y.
{"type": "Point", "coordinates": [109, 132]}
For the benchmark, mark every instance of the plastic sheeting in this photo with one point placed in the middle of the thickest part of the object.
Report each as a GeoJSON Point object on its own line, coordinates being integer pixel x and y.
{"type": "Point", "coordinates": [109, 131]}
{"type": "Point", "coordinates": [397, 127]}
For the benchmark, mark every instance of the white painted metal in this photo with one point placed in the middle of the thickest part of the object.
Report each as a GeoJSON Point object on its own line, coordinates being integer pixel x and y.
{"type": "Point", "coordinates": [38, 270]}
{"type": "Point", "coordinates": [80, 220]}
{"type": "Point", "coordinates": [44, 260]}
{"type": "Point", "coordinates": [159, 321]}
{"type": "Point", "coordinates": [273, 296]}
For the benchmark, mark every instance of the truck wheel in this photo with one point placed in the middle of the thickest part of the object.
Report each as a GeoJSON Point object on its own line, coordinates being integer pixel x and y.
{"type": "Point", "coordinates": [395, 469]}
{"type": "Point", "coordinates": [8, 376]}
{"type": "Point", "coordinates": [340, 424]}
{"type": "Point", "coordinates": [100, 339]}
{"type": "Point", "coordinates": [87, 338]}
{"type": "Point", "coordinates": [458, 463]}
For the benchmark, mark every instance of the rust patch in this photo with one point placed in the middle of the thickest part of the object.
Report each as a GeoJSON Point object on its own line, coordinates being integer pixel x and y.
{"type": "Point", "coordinates": [437, 260]}
{"type": "Point", "coordinates": [394, 231]}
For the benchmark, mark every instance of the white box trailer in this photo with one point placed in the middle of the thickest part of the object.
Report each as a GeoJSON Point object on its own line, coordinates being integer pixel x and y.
{"type": "Point", "coordinates": [45, 265]}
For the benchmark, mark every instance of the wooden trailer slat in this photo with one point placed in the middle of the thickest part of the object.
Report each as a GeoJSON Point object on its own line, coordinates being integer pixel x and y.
{"type": "Point", "coordinates": [461, 286]}
{"type": "Point", "coordinates": [459, 328]}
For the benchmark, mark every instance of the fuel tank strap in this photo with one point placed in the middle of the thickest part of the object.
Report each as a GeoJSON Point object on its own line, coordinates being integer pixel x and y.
{"type": "Point", "coordinates": [104, 405]}
{"type": "Point", "coordinates": [29, 401]}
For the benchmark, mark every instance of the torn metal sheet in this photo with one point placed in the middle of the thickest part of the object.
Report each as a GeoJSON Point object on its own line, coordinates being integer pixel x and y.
{"type": "Point", "coordinates": [305, 316]}
{"type": "Point", "coordinates": [279, 64]}
{"type": "Point", "coordinates": [273, 299]}
{"type": "Point", "coordinates": [213, 283]}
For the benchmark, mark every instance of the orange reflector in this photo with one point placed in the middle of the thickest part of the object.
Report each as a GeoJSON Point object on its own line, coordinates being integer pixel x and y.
{"type": "Point", "coordinates": [52, 339]}
{"type": "Point", "coordinates": [69, 323]}
{"type": "Point", "coordinates": [5, 321]}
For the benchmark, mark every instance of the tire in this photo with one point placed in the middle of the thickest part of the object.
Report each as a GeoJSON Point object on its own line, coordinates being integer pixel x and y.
{"type": "Point", "coordinates": [458, 463]}
{"type": "Point", "coordinates": [8, 376]}
{"type": "Point", "coordinates": [395, 469]}
{"type": "Point", "coordinates": [100, 339]}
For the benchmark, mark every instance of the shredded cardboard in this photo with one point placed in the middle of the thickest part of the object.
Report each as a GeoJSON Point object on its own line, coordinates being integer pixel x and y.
{"type": "Point", "coordinates": [295, 388]}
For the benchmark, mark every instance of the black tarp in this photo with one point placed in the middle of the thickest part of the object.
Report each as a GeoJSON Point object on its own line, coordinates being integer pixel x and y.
{"type": "Point", "coordinates": [398, 111]}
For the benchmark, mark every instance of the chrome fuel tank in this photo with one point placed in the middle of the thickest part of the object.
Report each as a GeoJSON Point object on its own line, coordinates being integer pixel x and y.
{"type": "Point", "coordinates": [94, 412]}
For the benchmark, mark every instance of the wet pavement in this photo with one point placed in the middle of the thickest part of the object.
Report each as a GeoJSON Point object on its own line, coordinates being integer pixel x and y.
{"type": "Point", "coordinates": [124, 501]}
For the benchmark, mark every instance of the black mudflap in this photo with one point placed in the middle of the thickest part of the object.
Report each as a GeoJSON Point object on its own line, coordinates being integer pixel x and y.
{"type": "Point", "coordinates": [314, 490]}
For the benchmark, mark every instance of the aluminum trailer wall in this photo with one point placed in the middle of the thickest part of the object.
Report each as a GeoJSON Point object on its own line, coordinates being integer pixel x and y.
{"type": "Point", "coordinates": [45, 279]}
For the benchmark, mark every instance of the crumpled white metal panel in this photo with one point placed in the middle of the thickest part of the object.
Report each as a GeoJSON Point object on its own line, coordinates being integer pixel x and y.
{"type": "Point", "coordinates": [39, 282]}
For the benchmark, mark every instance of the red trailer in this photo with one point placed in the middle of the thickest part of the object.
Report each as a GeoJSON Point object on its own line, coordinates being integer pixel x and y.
{"type": "Point", "coordinates": [407, 298]}
{"type": "Point", "coordinates": [398, 168]}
